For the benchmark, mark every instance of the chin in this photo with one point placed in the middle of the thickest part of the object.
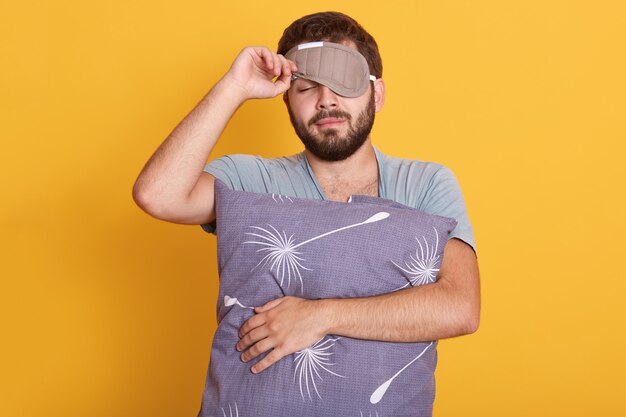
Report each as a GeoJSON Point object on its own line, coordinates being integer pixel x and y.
{"type": "Point", "coordinates": [332, 150]}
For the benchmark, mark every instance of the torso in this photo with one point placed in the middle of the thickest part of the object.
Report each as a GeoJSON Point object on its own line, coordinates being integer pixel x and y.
{"type": "Point", "coordinates": [337, 190]}
{"type": "Point", "coordinates": [414, 183]}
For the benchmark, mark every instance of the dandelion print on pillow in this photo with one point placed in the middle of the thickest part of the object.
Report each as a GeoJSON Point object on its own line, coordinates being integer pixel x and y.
{"type": "Point", "coordinates": [270, 246]}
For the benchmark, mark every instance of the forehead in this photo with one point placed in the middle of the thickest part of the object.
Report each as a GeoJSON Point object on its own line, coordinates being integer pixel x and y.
{"type": "Point", "coordinates": [348, 42]}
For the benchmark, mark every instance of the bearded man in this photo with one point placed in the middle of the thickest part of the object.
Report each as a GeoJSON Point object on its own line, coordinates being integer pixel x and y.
{"type": "Point", "coordinates": [333, 119]}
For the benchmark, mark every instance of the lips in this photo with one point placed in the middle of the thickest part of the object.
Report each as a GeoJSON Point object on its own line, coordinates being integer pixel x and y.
{"type": "Point", "coordinates": [329, 121]}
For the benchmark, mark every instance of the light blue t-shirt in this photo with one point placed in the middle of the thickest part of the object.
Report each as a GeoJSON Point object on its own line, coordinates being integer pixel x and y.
{"type": "Point", "coordinates": [425, 186]}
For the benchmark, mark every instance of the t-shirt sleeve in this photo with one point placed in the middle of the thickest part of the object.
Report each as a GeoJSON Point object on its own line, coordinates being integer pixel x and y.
{"type": "Point", "coordinates": [445, 198]}
{"type": "Point", "coordinates": [239, 172]}
{"type": "Point", "coordinates": [223, 169]}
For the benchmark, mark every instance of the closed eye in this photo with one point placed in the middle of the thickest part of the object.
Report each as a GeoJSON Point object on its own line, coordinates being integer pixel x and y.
{"type": "Point", "coordinates": [302, 85]}
{"type": "Point", "coordinates": [306, 88]}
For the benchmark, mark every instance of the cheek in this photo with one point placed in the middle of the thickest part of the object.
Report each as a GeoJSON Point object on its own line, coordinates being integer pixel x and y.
{"type": "Point", "coordinates": [302, 110]}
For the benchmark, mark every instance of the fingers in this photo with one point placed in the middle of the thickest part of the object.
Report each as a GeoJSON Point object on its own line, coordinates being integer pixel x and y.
{"type": "Point", "coordinates": [268, 58]}
{"type": "Point", "coordinates": [287, 66]}
{"type": "Point", "coordinates": [250, 324]}
{"type": "Point", "coordinates": [257, 343]}
{"type": "Point", "coordinates": [283, 82]}
{"type": "Point", "coordinates": [269, 360]}
{"type": "Point", "coordinates": [255, 329]}
{"type": "Point", "coordinates": [281, 327]}
{"type": "Point", "coordinates": [279, 67]}
{"type": "Point", "coordinates": [278, 63]}
{"type": "Point", "coordinates": [275, 354]}
{"type": "Point", "coordinates": [272, 63]}
{"type": "Point", "coordinates": [251, 338]}
{"type": "Point", "coordinates": [261, 73]}
{"type": "Point", "coordinates": [269, 305]}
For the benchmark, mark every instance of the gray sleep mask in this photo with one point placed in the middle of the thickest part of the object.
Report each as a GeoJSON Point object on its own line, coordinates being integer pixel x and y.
{"type": "Point", "coordinates": [341, 68]}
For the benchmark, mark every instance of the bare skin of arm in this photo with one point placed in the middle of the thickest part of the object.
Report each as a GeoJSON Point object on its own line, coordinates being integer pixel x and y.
{"type": "Point", "coordinates": [447, 308]}
{"type": "Point", "coordinates": [172, 185]}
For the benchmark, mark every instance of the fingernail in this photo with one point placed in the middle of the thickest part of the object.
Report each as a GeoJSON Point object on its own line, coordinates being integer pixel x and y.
{"type": "Point", "coordinates": [253, 369]}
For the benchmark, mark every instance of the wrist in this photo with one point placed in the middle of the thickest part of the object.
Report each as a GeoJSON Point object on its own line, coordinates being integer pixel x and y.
{"type": "Point", "coordinates": [235, 91]}
{"type": "Point", "coordinates": [331, 317]}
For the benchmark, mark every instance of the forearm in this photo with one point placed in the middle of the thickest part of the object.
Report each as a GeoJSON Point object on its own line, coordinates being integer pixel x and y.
{"type": "Point", "coordinates": [173, 170]}
{"type": "Point", "coordinates": [417, 314]}
{"type": "Point", "coordinates": [447, 308]}
{"type": "Point", "coordinates": [172, 185]}
{"type": "Point", "coordinates": [290, 324]}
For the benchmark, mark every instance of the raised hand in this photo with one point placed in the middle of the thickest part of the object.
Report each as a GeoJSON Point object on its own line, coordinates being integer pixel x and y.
{"type": "Point", "coordinates": [254, 70]}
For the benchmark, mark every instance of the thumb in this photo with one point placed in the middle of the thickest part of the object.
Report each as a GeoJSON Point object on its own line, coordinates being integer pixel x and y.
{"type": "Point", "coordinates": [282, 83]}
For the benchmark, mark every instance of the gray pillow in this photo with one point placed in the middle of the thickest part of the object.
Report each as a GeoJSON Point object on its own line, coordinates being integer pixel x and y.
{"type": "Point", "coordinates": [270, 246]}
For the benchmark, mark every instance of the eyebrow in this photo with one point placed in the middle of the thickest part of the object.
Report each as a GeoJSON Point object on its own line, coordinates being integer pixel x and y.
{"type": "Point", "coordinates": [304, 80]}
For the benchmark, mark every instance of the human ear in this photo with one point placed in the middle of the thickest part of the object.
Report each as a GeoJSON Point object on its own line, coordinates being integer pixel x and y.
{"type": "Point", "coordinates": [379, 94]}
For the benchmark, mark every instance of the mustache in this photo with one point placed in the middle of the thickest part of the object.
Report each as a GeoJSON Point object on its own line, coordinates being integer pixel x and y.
{"type": "Point", "coordinates": [336, 113]}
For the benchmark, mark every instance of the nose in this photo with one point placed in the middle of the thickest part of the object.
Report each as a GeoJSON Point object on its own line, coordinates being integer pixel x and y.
{"type": "Point", "coordinates": [326, 98]}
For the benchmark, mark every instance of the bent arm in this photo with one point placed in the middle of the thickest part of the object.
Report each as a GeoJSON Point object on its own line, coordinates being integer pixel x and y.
{"type": "Point", "coordinates": [172, 185]}
{"type": "Point", "coordinates": [447, 308]}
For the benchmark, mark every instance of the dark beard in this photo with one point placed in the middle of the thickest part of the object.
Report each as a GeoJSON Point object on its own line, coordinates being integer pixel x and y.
{"type": "Point", "coordinates": [332, 147]}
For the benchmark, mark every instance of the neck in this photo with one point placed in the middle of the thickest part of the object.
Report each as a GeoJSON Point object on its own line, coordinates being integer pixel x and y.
{"type": "Point", "coordinates": [355, 175]}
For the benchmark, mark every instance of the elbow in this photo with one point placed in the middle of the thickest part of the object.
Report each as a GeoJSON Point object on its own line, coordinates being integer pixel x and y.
{"type": "Point", "coordinates": [146, 201]}
{"type": "Point", "coordinates": [472, 323]}
{"type": "Point", "coordinates": [469, 321]}
{"type": "Point", "coordinates": [464, 318]}
{"type": "Point", "coordinates": [141, 197]}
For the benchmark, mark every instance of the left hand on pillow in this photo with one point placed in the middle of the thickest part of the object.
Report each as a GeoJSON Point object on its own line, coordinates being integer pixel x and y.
{"type": "Point", "coordinates": [282, 326]}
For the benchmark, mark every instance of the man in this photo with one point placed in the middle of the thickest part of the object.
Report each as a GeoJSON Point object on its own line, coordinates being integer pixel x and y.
{"type": "Point", "coordinates": [339, 160]}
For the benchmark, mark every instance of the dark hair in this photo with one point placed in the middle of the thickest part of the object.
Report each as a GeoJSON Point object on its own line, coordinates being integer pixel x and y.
{"type": "Point", "coordinates": [333, 27]}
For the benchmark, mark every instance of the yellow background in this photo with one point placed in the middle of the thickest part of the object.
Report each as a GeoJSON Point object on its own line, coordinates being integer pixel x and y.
{"type": "Point", "coordinates": [106, 311]}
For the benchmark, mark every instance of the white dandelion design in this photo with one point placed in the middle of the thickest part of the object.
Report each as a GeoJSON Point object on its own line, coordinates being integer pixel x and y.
{"type": "Point", "coordinates": [421, 269]}
{"type": "Point", "coordinates": [308, 363]}
{"type": "Point", "coordinates": [230, 411]}
{"type": "Point", "coordinates": [280, 198]}
{"type": "Point", "coordinates": [281, 253]}
{"type": "Point", "coordinates": [380, 391]}
{"type": "Point", "coordinates": [370, 415]}
{"type": "Point", "coordinates": [231, 301]}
